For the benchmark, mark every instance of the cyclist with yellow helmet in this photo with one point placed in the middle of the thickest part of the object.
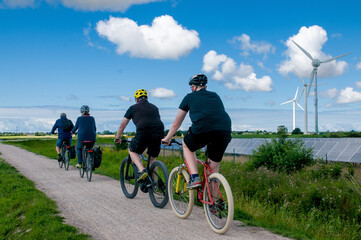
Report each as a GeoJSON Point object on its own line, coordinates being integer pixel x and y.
{"type": "Point", "coordinates": [149, 130]}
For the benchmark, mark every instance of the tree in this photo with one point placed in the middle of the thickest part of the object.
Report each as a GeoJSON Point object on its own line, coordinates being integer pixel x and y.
{"type": "Point", "coordinates": [297, 131]}
{"type": "Point", "coordinates": [281, 130]}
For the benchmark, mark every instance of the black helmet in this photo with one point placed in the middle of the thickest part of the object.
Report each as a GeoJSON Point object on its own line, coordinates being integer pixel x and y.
{"type": "Point", "coordinates": [198, 80]}
{"type": "Point", "coordinates": [84, 109]}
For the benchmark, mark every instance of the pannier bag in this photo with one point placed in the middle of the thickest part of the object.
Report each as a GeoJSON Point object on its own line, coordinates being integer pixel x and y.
{"type": "Point", "coordinates": [72, 152]}
{"type": "Point", "coordinates": [97, 157]}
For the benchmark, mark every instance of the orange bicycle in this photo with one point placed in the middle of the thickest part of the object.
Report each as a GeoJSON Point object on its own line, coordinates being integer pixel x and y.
{"type": "Point", "coordinates": [215, 194]}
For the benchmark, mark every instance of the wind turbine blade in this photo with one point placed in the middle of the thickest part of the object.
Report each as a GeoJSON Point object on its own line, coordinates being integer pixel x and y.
{"type": "Point", "coordinates": [319, 84]}
{"type": "Point", "coordinates": [331, 59]}
{"type": "Point", "coordinates": [287, 102]}
{"type": "Point", "coordinates": [303, 89]}
{"type": "Point", "coordinates": [296, 94]}
{"type": "Point", "coordinates": [311, 80]}
{"type": "Point", "coordinates": [299, 77]}
{"type": "Point", "coordinates": [300, 106]}
{"type": "Point", "coordinates": [303, 50]}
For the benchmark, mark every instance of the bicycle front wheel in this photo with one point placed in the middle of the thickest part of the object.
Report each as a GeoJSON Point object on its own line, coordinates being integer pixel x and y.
{"type": "Point", "coordinates": [219, 214]}
{"type": "Point", "coordinates": [67, 160]}
{"type": "Point", "coordinates": [128, 178]}
{"type": "Point", "coordinates": [158, 192]}
{"type": "Point", "coordinates": [181, 198]}
{"type": "Point", "coordinates": [89, 166]}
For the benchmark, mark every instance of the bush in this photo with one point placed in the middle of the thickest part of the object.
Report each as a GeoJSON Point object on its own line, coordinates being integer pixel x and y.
{"type": "Point", "coordinates": [282, 155]}
{"type": "Point", "coordinates": [323, 170]}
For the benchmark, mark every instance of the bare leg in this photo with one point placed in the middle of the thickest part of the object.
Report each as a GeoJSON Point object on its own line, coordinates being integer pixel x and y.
{"type": "Point", "coordinates": [191, 159]}
{"type": "Point", "coordinates": [57, 149]}
{"type": "Point", "coordinates": [213, 165]}
{"type": "Point", "coordinates": [136, 159]}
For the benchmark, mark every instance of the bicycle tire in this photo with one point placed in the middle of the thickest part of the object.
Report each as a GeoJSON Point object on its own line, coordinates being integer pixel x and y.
{"type": "Point", "coordinates": [158, 192]}
{"type": "Point", "coordinates": [182, 202]}
{"type": "Point", "coordinates": [82, 168]}
{"type": "Point", "coordinates": [128, 178]}
{"type": "Point", "coordinates": [220, 217]}
{"type": "Point", "coordinates": [89, 166]}
{"type": "Point", "coordinates": [62, 154]}
{"type": "Point", "coordinates": [67, 160]}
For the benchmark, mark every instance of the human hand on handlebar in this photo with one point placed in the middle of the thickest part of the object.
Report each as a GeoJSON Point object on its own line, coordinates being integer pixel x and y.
{"type": "Point", "coordinates": [118, 140]}
{"type": "Point", "coordinates": [166, 141]}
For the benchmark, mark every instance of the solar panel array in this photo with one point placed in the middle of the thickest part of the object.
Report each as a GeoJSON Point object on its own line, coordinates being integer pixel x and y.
{"type": "Point", "coordinates": [332, 149]}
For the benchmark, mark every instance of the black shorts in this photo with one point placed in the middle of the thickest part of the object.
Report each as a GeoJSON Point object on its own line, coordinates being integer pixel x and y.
{"type": "Point", "coordinates": [142, 141]}
{"type": "Point", "coordinates": [216, 142]}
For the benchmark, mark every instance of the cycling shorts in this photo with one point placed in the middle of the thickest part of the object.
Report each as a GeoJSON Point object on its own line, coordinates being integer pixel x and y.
{"type": "Point", "coordinates": [59, 142]}
{"type": "Point", "coordinates": [142, 141]}
{"type": "Point", "coordinates": [216, 142]}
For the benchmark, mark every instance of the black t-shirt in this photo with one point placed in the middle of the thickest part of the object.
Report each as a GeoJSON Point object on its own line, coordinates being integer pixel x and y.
{"type": "Point", "coordinates": [206, 111]}
{"type": "Point", "coordinates": [145, 117]}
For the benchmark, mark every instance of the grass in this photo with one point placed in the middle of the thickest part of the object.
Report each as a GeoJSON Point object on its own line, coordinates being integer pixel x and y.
{"type": "Point", "coordinates": [26, 213]}
{"type": "Point", "coordinates": [311, 204]}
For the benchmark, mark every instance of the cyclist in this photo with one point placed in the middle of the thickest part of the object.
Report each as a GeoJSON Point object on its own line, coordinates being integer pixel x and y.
{"type": "Point", "coordinates": [85, 124]}
{"type": "Point", "coordinates": [211, 127]}
{"type": "Point", "coordinates": [149, 130]}
{"type": "Point", "coordinates": [63, 134]}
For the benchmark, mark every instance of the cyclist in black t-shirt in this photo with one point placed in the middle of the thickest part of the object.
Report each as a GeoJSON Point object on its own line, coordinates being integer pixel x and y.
{"type": "Point", "coordinates": [150, 130]}
{"type": "Point", "coordinates": [211, 127]}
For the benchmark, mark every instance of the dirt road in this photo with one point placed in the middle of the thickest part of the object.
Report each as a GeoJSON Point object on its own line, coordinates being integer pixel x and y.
{"type": "Point", "coordinates": [100, 209]}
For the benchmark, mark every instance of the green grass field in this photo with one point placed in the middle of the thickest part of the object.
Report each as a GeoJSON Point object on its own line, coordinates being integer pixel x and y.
{"type": "Point", "coordinates": [310, 204]}
{"type": "Point", "coordinates": [26, 213]}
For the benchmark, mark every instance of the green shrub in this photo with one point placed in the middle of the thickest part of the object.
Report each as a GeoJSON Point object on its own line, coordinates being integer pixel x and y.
{"type": "Point", "coordinates": [281, 154]}
{"type": "Point", "coordinates": [323, 170]}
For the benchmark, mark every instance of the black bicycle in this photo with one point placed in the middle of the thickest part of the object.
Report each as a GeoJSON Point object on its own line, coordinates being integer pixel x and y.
{"type": "Point", "coordinates": [156, 184]}
{"type": "Point", "coordinates": [65, 155]}
{"type": "Point", "coordinates": [88, 162]}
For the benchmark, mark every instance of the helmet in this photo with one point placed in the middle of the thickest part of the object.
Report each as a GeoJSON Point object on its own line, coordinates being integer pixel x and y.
{"type": "Point", "coordinates": [140, 93]}
{"type": "Point", "coordinates": [198, 80]}
{"type": "Point", "coordinates": [84, 109]}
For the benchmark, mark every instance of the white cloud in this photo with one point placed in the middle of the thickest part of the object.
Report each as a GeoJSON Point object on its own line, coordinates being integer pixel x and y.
{"type": "Point", "coordinates": [358, 66]}
{"type": "Point", "coordinates": [164, 39]}
{"type": "Point", "coordinates": [241, 77]}
{"type": "Point", "coordinates": [111, 5]}
{"type": "Point", "coordinates": [348, 95]}
{"type": "Point", "coordinates": [312, 40]}
{"type": "Point", "coordinates": [358, 84]}
{"type": "Point", "coordinates": [331, 93]}
{"type": "Point", "coordinates": [17, 3]}
{"type": "Point", "coordinates": [251, 46]}
{"type": "Point", "coordinates": [162, 93]}
{"type": "Point", "coordinates": [125, 99]}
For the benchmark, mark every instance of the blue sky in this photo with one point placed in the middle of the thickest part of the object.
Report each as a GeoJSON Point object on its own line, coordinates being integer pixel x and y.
{"type": "Point", "coordinates": [59, 54]}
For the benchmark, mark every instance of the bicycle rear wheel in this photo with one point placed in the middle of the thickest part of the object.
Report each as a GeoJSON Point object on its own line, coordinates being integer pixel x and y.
{"type": "Point", "coordinates": [128, 178]}
{"type": "Point", "coordinates": [67, 160]}
{"type": "Point", "coordinates": [82, 169]}
{"type": "Point", "coordinates": [89, 166]}
{"type": "Point", "coordinates": [181, 198]}
{"type": "Point", "coordinates": [158, 192]}
{"type": "Point", "coordinates": [220, 214]}
{"type": "Point", "coordinates": [62, 153]}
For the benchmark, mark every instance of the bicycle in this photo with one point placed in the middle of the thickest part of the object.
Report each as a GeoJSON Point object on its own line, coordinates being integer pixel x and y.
{"type": "Point", "coordinates": [88, 162]}
{"type": "Point", "coordinates": [215, 194]}
{"type": "Point", "coordinates": [65, 155]}
{"type": "Point", "coordinates": [155, 184]}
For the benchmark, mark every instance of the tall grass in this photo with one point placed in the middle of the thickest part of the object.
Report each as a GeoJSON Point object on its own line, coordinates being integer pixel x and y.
{"type": "Point", "coordinates": [317, 202]}
{"type": "Point", "coordinates": [26, 213]}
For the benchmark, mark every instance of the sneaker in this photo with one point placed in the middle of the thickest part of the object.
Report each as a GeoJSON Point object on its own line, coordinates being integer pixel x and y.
{"type": "Point", "coordinates": [142, 175]}
{"type": "Point", "coordinates": [78, 165]}
{"type": "Point", "coordinates": [194, 183]}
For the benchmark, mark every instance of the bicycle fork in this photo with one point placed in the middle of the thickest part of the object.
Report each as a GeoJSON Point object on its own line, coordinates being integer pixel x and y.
{"type": "Point", "coordinates": [179, 176]}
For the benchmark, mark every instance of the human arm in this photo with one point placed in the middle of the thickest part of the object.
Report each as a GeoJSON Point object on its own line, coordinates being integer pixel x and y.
{"type": "Point", "coordinates": [76, 126]}
{"type": "Point", "coordinates": [121, 128]}
{"type": "Point", "coordinates": [181, 114]}
{"type": "Point", "coordinates": [54, 127]}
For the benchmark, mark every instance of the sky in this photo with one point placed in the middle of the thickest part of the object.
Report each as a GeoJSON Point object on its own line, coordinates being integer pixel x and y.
{"type": "Point", "coordinates": [56, 55]}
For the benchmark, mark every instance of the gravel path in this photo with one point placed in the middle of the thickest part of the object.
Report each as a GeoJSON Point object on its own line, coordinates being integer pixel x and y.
{"type": "Point", "coordinates": [100, 209]}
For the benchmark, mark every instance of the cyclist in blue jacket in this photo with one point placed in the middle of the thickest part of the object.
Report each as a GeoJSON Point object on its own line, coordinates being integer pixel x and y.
{"type": "Point", "coordinates": [85, 124]}
{"type": "Point", "coordinates": [62, 135]}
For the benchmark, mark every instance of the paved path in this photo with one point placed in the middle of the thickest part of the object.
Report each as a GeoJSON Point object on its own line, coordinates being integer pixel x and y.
{"type": "Point", "coordinates": [100, 209]}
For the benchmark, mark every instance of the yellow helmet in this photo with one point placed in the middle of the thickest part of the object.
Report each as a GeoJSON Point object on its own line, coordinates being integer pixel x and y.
{"type": "Point", "coordinates": [140, 93]}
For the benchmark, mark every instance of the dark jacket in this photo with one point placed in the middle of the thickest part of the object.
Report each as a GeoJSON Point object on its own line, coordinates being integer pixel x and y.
{"type": "Point", "coordinates": [85, 125]}
{"type": "Point", "coordinates": [61, 133]}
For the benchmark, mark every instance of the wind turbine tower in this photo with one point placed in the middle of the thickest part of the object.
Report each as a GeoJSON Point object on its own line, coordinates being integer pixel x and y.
{"type": "Point", "coordinates": [304, 91]}
{"type": "Point", "coordinates": [294, 108]}
{"type": "Point", "coordinates": [315, 64]}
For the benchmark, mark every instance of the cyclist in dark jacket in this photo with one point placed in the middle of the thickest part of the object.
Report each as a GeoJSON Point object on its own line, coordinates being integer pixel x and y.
{"type": "Point", "coordinates": [150, 130]}
{"type": "Point", "coordinates": [85, 124]}
{"type": "Point", "coordinates": [62, 135]}
{"type": "Point", "coordinates": [211, 127]}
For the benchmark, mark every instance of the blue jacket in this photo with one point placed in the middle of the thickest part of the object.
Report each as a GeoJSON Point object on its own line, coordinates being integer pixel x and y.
{"type": "Point", "coordinates": [85, 125]}
{"type": "Point", "coordinates": [61, 133]}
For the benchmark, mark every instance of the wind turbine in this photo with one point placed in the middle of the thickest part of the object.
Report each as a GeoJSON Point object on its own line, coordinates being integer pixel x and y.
{"type": "Point", "coordinates": [294, 108]}
{"type": "Point", "coordinates": [315, 63]}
